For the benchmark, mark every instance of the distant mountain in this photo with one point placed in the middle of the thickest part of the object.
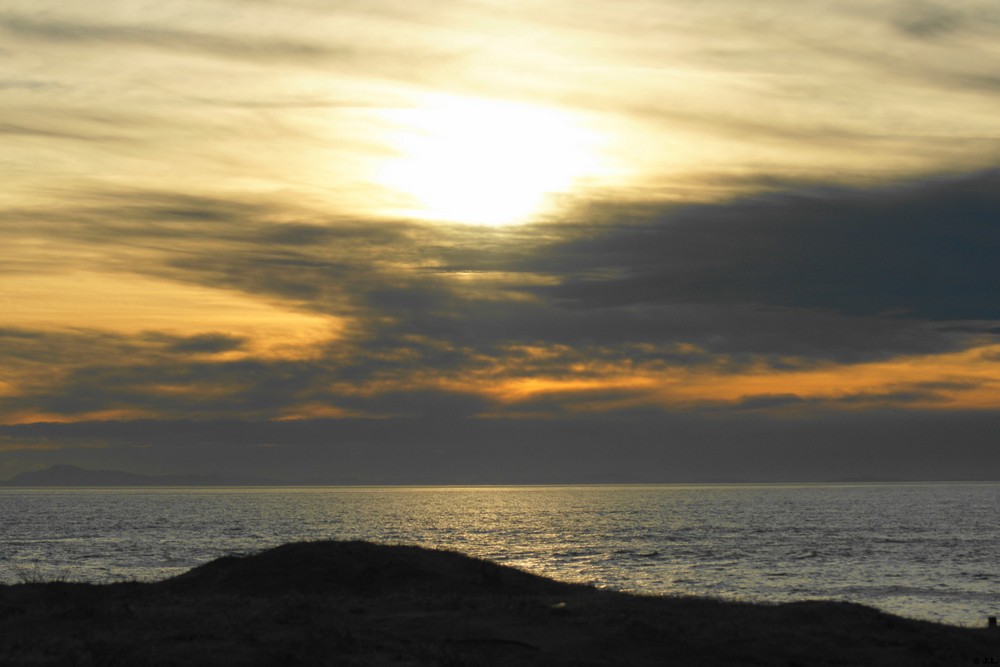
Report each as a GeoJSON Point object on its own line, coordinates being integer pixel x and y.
{"type": "Point", "coordinates": [73, 476]}
{"type": "Point", "coordinates": [68, 475]}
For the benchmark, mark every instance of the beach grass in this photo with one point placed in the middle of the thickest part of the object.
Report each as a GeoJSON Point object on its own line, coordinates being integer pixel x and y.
{"type": "Point", "coordinates": [358, 603]}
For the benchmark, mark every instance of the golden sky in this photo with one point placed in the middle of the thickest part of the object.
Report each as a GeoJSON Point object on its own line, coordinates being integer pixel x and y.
{"type": "Point", "coordinates": [279, 210]}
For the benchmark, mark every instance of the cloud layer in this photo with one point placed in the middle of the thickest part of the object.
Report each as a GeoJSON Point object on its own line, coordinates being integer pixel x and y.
{"type": "Point", "coordinates": [784, 264]}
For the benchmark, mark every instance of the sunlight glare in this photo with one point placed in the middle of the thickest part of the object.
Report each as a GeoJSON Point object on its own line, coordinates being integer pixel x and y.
{"type": "Point", "coordinates": [485, 162]}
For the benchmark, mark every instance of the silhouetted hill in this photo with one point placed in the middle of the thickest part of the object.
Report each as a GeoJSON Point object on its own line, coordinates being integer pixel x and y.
{"type": "Point", "coordinates": [68, 475]}
{"type": "Point", "coordinates": [356, 603]}
{"type": "Point", "coordinates": [365, 568]}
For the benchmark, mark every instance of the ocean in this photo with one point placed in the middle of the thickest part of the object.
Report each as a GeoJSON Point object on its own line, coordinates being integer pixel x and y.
{"type": "Point", "coordinates": [923, 550]}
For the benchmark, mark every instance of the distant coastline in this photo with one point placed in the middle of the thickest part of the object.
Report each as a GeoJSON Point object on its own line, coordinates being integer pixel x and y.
{"type": "Point", "coordinates": [66, 475]}
{"type": "Point", "coordinates": [69, 475]}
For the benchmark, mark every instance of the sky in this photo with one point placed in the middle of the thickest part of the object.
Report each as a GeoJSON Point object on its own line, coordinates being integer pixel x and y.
{"type": "Point", "coordinates": [529, 241]}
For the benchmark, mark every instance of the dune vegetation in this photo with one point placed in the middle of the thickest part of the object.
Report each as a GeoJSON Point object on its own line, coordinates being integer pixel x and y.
{"type": "Point", "coordinates": [357, 603]}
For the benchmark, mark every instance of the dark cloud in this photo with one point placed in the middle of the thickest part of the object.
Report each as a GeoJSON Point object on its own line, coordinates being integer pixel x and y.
{"type": "Point", "coordinates": [923, 19]}
{"type": "Point", "coordinates": [21, 347]}
{"type": "Point", "coordinates": [76, 372]}
{"type": "Point", "coordinates": [210, 343]}
{"type": "Point", "coordinates": [770, 401]}
{"type": "Point", "coordinates": [422, 402]}
{"type": "Point", "coordinates": [923, 394]}
{"type": "Point", "coordinates": [169, 386]}
{"type": "Point", "coordinates": [924, 252]}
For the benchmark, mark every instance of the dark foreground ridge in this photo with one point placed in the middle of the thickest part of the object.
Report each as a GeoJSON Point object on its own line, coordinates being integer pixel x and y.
{"type": "Point", "coordinates": [356, 603]}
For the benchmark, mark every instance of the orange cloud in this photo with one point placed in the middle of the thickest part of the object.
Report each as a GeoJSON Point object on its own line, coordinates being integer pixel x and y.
{"type": "Point", "coordinates": [37, 416]}
{"type": "Point", "coordinates": [968, 379]}
{"type": "Point", "coordinates": [958, 380]}
{"type": "Point", "coordinates": [133, 304]}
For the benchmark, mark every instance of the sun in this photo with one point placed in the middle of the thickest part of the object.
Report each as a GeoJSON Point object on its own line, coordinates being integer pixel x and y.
{"type": "Point", "coordinates": [482, 161]}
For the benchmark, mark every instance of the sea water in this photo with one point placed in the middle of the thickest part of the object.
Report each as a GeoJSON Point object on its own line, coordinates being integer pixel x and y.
{"type": "Point", "coordinates": [928, 551]}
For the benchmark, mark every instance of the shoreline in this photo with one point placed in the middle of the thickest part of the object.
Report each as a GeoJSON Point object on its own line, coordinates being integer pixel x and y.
{"type": "Point", "coordinates": [358, 603]}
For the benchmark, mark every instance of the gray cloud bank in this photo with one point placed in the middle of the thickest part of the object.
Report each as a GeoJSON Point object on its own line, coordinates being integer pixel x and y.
{"type": "Point", "coordinates": [921, 251]}
{"type": "Point", "coordinates": [889, 445]}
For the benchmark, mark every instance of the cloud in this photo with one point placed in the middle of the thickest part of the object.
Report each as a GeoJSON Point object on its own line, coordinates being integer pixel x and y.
{"type": "Point", "coordinates": [924, 19]}
{"type": "Point", "coordinates": [251, 47]}
{"type": "Point", "coordinates": [173, 39]}
{"type": "Point", "coordinates": [19, 130]}
{"type": "Point", "coordinates": [26, 84]}
{"type": "Point", "coordinates": [210, 343]}
{"type": "Point", "coordinates": [81, 374]}
{"type": "Point", "coordinates": [922, 251]}
{"type": "Point", "coordinates": [603, 312]}
{"type": "Point", "coordinates": [167, 387]}
{"type": "Point", "coordinates": [762, 280]}
{"type": "Point", "coordinates": [422, 402]}
{"type": "Point", "coordinates": [928, 20]}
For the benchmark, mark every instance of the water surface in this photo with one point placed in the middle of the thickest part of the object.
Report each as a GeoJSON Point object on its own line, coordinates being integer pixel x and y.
{"type": "Point", "coordinates": [922, 550]}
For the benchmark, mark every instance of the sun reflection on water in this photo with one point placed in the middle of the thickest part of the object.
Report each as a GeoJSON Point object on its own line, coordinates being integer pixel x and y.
{"type": "Point", "coordinates": [772, 543]}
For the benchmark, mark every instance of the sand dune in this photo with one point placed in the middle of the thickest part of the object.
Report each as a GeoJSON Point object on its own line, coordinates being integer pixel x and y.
{"type": "Point", "coordinates": [357, 603]}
